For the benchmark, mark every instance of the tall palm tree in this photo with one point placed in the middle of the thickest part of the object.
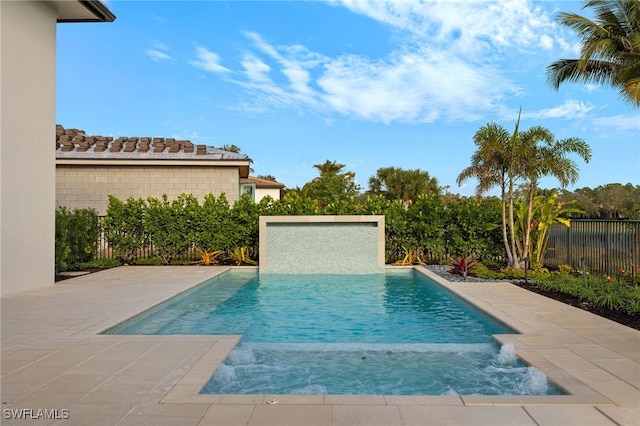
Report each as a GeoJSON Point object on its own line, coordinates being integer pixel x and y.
{"type": "Point", "coordinates": [542, 155]}
{"type": "Point", "coordinates": [329, 167]}
{"type": "Point", "coordinates": [492, 164]}
{"type": "Point", "coordinates": [505, 160]}
{"type": "Point", "coordinates": [610, 48]}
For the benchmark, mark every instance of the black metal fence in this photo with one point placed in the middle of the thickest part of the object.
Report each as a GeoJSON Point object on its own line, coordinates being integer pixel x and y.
{"type": "Point", "coordinates": [599, 246]}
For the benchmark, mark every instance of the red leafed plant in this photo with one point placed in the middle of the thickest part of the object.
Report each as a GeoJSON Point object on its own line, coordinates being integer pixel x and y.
{"type": "Point", "coordinates": [462, 266]}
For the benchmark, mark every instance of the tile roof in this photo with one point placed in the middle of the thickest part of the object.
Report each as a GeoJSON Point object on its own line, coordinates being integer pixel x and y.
{"type": "Point", "coordinates": [262, 183]}
{"type": "Point", "coordinates": [75, 144]}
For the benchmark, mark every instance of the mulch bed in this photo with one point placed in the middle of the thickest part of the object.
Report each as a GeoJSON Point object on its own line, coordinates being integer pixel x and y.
{"type": "Point", "coordinates": [632, 321]}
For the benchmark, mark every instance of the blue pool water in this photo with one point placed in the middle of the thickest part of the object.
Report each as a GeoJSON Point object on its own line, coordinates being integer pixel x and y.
{"type": "Point", "coordinates": [393, 333]}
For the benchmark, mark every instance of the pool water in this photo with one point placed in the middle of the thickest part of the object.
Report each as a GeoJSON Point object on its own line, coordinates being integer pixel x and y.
{"type": "Point", "coordinates": [397, 307]}
{"type": "Point", "coordinates": [397, 333]}
{"type": "Point", "coordinates": [378, 369]}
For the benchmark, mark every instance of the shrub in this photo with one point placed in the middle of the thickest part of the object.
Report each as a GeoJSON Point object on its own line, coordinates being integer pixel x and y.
{"type": "Point", "coordinates": [124, 229]}
{"type": "Point", "coordinates": [84, 232]}
{"type": "Point", "coordinates": [63, 247]}
{"type": "Point", "coordinates": [171, 226]}
{"type": "Point", "coordinates": [76, 237]}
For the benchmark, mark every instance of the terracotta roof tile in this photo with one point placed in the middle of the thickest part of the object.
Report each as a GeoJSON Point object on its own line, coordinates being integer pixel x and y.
{"type": "Point", "coordinates": [74, 143]}
{"type": "Point", "coordinates": [262, 183]}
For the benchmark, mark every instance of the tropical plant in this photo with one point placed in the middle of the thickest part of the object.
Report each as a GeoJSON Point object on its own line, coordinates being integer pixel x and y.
{"type": "Point", "coordinates": [240, 256]}
{"type": "Point", "coordinates": [525, 157]}
{"type": "Point", "coordinates": [411, 257]}
{"type": "Point", "coordinates": [209, 257]}
{"type": "Point", "coordinates": [494, 163]}
{"type": "Point", "coordinates": [610, 51]}
{"type": "Point", "coordinates": [400, 184]}
{"type": "Point", "coordinates": [541, 155]}
{"type": "Point", "coordinates": [462, 266]}
{"type": "Point", "coordinates": [547, 211]}
{"type": "Point", "coordinates": [332, 185]}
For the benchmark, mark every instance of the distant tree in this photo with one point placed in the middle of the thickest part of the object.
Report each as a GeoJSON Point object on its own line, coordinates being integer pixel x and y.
{"type": "Point", "coordinates": [333, 185]}
{"type": "Point", "coordinates": [267, 177]}
{"type": "Point", "coordinates": [236, 149]}
{"type": "Point", "coordinates": [618, 201]}
{"type": "Point", "coordinates": [610, 48]}
{"type": "Point", "coordinates": [400, 184]}
{"type": "Point", "coordinates": [231, 148]}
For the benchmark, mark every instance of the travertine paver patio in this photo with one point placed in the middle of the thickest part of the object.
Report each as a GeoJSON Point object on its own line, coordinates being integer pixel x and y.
{"type": "Point", "coordinates": [53, 358]}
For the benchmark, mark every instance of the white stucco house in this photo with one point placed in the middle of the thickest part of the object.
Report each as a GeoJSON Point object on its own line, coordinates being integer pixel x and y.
{"type": "Point", "coordinates": [27, 129]}
{"type": "Point", "coordinates": [262, 187]}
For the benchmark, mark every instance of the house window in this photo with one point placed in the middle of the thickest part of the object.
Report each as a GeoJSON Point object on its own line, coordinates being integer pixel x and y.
{"type": "Point", "coordinates": [249, 189]}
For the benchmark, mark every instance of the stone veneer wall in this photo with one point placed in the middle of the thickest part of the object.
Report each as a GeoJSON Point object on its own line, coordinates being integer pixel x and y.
{"type": "Point", "coordinates": [322, 244]}
{"type": "Point", "coordinates": [90, 186]}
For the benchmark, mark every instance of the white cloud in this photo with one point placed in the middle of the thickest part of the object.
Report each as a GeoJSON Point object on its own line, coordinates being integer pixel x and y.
{"type": "Point", "coordinates": [467, 24]}
{"type": "Point", "coordinates": [570, 109]}
{"type": "Point", "coordinates": [618, 123]}
{"type": "Point", "coordinates": [158, 56]}
{"type": "Point", "coordinates": [256, 70]}
{"type": "Point", "coordinates": [410, 85]}
{"type": "Point", "coordinates": [208, 61]}
{"type": "Point", "coordinates": [449, 63]}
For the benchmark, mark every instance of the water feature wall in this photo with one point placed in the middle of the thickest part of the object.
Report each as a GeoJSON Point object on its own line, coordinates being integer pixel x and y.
{"type": "Point", "coordinates": [322, 244]}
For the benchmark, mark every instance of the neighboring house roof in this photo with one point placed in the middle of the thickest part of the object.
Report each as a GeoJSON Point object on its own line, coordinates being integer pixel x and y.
{"type": "Point", "coordinates": [73, 146]}
{"type": "Point", "coordinates": [262, 183]}
{"type": "Point", "coordinates": [83, 11]}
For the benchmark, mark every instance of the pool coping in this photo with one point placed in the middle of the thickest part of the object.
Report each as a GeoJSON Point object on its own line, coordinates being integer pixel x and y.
{"type": "Point", "coordinates": [595, 359]}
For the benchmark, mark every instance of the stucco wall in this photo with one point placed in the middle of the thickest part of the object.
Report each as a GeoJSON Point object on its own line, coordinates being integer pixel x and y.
{"type": "Point", "coordinates": [322, 244]}
{"type": "Point", "coordinates": [27, 161]}
{"type": "Point", "coordinates": [263, 192]}
{"type": "Point", "coordinates": [90, 186]}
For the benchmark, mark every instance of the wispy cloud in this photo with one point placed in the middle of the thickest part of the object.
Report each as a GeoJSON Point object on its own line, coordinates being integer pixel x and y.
{"type": "Point", "coordinates": [158, 52]}
{"type": "Point", "coordinates": [158, 56]}
{"type": "Point", "coordinates": [618, 123]}
{"type": "Point", "coordinates": [448, 63]}
{"type": "Point", "coordinates": [570, 109]}
{"type": "Point", "coordinates": [208, 61]}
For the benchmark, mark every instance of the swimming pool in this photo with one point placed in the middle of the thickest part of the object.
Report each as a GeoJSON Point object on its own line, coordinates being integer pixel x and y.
{"type": "Point", "coordinates": [354, 334]}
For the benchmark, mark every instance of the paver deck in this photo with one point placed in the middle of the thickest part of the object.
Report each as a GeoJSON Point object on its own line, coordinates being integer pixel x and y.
{"type": "Point", "coordinates": [53, 358]}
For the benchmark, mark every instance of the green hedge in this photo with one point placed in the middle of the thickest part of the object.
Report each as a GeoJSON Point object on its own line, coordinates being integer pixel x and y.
{"type": "Point", "coordinates": [430, 225]}
{"type": "Point", "coordinates": [77, 234]}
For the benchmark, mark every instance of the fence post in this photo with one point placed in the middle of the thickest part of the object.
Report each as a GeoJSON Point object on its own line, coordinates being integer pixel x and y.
{"type": "Point", "coordinates": [607, 248]}
{"type": "Point", "coordinates": [569, 245]}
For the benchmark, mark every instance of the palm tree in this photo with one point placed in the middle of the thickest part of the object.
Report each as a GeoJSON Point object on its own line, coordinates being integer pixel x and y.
{"type": "Point", "coordinates": [329, 167]}
{"type": "Point", "coordinates": [400, 184]}
{"type": "Point", "coordinates": [492, 164]}
{"type": "Point", "coordinates": [332, 185]}
{"type": "Point", "coordinates": [231, 148]}
{"type": "Point", "coordinates": [542, 155]}
{"type": "Point", "coordinates": [523, 157]}
{"type": "Point", "coordinates": [610, 48]}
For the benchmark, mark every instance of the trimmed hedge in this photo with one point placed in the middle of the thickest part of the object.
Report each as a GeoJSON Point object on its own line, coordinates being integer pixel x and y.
{"type": "Point", "coordinates": [175, 228]}
{"type": "Point", "coordinates": [77, 234]}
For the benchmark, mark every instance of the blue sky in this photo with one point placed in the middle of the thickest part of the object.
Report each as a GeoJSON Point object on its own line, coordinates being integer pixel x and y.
{"type": "Point", "coordinates": [369, 84]}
